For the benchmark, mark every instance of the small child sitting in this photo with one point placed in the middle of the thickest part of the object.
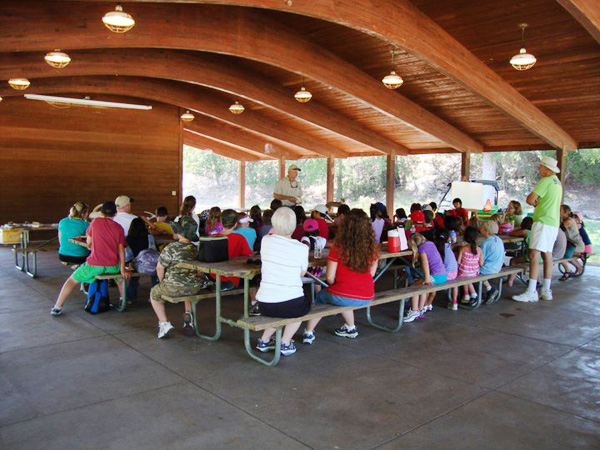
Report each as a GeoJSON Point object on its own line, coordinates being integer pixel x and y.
{"type": "Point", "coordinates": [213, 224]}
{"type": "Point", "coordinates": [442, 243]}
{"type": "Point", "coordinates": [470, 259]}
{"type": "Point", "coordinates": [244, 229]}
{"type": "Point", "coordinates": [161, 226]}
{"type": "Point", "coordinates": [312, 239]}
{"type": "Point", "coordinates": [492, 250]}
{"type": "Point", "coordinates": [320, 214]}
{"type": "Point", "coordinates": [434, 273]}
{"type": "Point", "coordinates": [525, 232]}
{"type": "Point", "coordinates": [175, 281]}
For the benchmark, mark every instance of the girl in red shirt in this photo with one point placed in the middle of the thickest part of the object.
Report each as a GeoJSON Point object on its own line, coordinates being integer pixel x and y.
{"type": "Point", "coordinates": [351, 265]}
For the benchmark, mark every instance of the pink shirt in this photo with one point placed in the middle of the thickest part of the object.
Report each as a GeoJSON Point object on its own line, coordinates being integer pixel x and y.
{"type": "Point", "coordinates": [106, 236]}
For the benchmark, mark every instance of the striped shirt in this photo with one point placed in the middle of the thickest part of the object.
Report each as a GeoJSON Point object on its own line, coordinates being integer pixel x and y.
{"type": "Point", "coordinates": [469, 264]}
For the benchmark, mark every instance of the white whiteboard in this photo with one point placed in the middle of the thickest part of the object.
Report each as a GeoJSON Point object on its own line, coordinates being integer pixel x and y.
{"type": "Point", "coordinates": [471, 194]}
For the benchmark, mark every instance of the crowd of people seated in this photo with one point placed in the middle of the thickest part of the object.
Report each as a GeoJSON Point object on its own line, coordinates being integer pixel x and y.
{"type": "Point", "coordinates": [284, 237]}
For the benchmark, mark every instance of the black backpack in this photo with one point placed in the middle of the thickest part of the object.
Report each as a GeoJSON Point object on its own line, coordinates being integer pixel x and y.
{"type": "Point", "coordinates": [97, 300]}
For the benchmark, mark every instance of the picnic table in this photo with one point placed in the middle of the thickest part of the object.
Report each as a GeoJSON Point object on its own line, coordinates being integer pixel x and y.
{"type": "Point", "coordinates": [23, 249]}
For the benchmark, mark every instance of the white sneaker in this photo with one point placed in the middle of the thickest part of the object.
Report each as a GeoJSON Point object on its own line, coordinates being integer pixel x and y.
{"type": "Point", "coordinates": [466, 299]}
{"type": "Point", "coordinates": [546, 295]}
{"type": "Point", "coordinates": [428, 307]}
{"type": "Point", "coordinates": [526, 296]}
{"type": "Point", "coordinates": [164, 328]}
{"type": "Point", "coordinates": [411, 315]}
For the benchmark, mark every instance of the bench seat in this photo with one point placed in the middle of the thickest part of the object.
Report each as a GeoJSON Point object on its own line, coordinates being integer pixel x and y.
{"type": "Point", "coordinates": [260, 323]}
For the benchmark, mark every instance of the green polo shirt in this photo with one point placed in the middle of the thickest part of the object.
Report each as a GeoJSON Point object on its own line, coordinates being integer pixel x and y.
{"type": "Point", "coordinates": [547, 211]}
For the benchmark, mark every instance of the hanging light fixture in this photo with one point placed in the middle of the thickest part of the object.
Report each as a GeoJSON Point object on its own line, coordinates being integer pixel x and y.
{"type": "Point", "coordinates": [187, 116]}
{"type": "Point", "coordinates": [523, 60]}
{"type": "Point", "coordinates": [118, 21]}
{"type": "Point", "coordinates": [20, 84]}
{"type": "Point", "coordinates": [393, 80]}
{"type": "Point", "coordinates": [236, 108]}
{"type": "Point", "coordinates": [1, 99]}
{"type": "Point", "coordinates": [57, 59]}
{"type": "Point", "coordinates": [303, 96]}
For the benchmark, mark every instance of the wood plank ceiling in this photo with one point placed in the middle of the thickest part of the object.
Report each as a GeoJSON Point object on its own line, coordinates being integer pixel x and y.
{"type": "Point", "coordinates": [459, 93]}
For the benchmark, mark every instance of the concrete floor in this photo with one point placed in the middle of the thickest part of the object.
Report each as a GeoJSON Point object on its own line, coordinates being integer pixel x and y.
{"type": "Point", "coordinates": [506, 376]}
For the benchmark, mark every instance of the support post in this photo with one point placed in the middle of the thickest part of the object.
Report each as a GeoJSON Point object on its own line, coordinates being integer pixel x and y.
{"type": "Point", "coordinates": [242, 184]}
{"type": "Point", "coordinates": [465, 166]}
{"type": "Point", "coordinates": [390, 183]}
{"type": "Point", "coordinates": [330, 178]}
{"type": "Point", "coordinates": [561, 157]}
{"type": "Point", "coordinates": [281, 167]}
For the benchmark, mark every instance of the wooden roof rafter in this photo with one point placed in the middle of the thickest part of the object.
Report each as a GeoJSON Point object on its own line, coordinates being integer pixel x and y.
{"type": "Point", "coordinates": [218, 148]}
{"type": "Point", "coordinates": [251, 125]}
{"type": "Point", "coordinates": [587, 13]}
{"type": "Point", "coordinates": [402, 24]}
{"type": "Point", "coordinates": [240, 32]}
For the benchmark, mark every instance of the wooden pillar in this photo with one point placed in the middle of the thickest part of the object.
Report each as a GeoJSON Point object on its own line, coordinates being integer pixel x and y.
{"type": "Point", "coordinates": [330, 178]}
{"type": "Point", "coordinates": [390, 183]}
{"type": "Point", "coordinates": [242, 184]}
{"type": "Point", "coordinates": [561, 157]}
{"type": "Point", "coordinates": [282, 167]}
{"type": "Point", "coordinates": [465, 166]}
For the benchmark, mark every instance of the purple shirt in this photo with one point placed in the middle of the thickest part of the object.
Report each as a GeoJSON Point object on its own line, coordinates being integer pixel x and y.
{"type": "Point", "coordinates": [436, 265]}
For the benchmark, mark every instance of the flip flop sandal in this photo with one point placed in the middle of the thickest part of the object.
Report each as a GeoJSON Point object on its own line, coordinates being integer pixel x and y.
{"type": "Point", "coordinates": [566, 276]}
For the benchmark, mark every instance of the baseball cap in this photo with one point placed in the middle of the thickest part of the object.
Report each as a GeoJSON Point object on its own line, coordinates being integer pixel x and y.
{"type": "Point", "coordinates": [186, 227]}
{"type": "Point", "coordinates": [427, 208]}
{"type": "Point", "coordinates": [245, 219]}
{"type": "Point", "coordinates": [310, 225]}
{"type": "Point", "coordinates": [294, 167]}
{"type": "Point", "coordinates": [417, 217]}
{"type": "Point", "coordinates": [122, 201]}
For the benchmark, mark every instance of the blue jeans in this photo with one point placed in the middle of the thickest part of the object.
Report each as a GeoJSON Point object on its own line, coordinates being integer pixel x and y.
{"type": "Point", "coordinates": [326, 297]}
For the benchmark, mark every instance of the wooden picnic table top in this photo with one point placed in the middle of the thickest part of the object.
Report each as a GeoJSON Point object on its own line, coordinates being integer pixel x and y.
{"type": "Point", "coordinates": [240, 267]}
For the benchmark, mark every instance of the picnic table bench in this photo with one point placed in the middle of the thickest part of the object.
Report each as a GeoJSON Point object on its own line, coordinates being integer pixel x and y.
{"type": "Point", "coordinates": [259, 323]}
{"type": "Point", "coordinates": [122, 305]}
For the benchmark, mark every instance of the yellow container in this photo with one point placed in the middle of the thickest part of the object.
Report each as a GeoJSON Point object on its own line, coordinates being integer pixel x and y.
{"type": "Point", "coordinates": [10, 236]}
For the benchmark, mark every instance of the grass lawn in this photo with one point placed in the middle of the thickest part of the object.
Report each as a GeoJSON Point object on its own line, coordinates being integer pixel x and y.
{"type": "Point", "coordinates": [593, 229]}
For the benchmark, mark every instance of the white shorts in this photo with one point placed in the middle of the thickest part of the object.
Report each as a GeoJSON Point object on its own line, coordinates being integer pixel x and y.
{"type": "Point", "coordinates": [542, 237]}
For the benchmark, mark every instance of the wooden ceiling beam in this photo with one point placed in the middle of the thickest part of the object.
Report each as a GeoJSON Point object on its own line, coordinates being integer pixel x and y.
{"type": "Point", "coordinates": [219, 148]}
{"type": "Point", "coordinates": [402, 24]}
{"type": "Point", "coordinates": [188, 97]}
{"type": "Point", "coordinates": [241, 32]}
{"type": "Point", "coordinates": [228, 134]}
{"type": "Point", "coordinates": [587, 13]}
{"type": "Point", "coordinates": [210, 71]}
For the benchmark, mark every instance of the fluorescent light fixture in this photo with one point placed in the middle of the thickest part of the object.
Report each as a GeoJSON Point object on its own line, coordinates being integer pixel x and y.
{"type": "Point", "coordinates": [85, 102]}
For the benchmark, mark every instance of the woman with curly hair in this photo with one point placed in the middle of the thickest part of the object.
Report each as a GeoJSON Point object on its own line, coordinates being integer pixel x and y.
{"type": "Point", "coordinates": [351, 266]}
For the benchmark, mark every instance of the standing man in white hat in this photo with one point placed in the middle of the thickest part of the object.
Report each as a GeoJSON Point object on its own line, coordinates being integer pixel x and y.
{"type": "Point", "coordinates": [546, 197]}
{"type": "Point", "coordinates": [288, 189]}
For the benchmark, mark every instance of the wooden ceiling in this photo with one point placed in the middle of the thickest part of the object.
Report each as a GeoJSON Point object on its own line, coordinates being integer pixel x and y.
{"type": "Point", "coordinates": [459, 95]}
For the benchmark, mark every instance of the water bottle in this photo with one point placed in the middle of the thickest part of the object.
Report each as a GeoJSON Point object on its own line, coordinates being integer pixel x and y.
{"type": "Point", "coordinates": [318, 251]}
{"type": "Point", "coordinates": [453, 237]}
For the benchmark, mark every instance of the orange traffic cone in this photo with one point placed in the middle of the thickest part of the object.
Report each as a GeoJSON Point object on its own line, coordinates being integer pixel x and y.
{"type": "Point", "coordinates": [488, 206]}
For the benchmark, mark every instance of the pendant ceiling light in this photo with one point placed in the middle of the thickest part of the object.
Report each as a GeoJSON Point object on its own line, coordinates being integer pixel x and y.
{"type": "Point", "coordinates": [236, 108]}
{"type": "Point", "coordinates": [187, 116]}
{"type": "Point", "coordinates": [523, 60]}
{"type": "Point", "coordinates": [393, 80]}
{"type": "Point", "coordinates": [118, 21]}
{"type": "Point", "coordinates": [0, 99]}
{"type": "Point", "coordinates": [20, 84]}
{"type": "Point", "coordinates": [57, 59]}
{"type": "Point", "coordinates": [303, 96]}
